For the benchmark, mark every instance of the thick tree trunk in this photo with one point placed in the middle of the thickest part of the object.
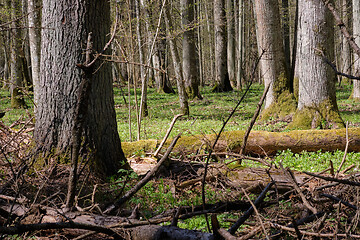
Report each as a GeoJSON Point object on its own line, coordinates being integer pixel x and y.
{"type": "Point", "coordinates": [63, 39]}
{"type": "Point", "coordinates": [16, 74]}
{"type": "Point", "coordinates": [190, 63]}
{"type": "Point", "coordinates": [222, 81]}
{"type": "Point", "coordinates": [262, 143]}
{"type": "Point", "coordinates": [317, 105]}
{"type": "Point", "coordinates": [183, 99]}
{"type": "Point", "coordinates": [34, 43]}
{"type": "Point", "coordinates": [356, 28]}
{"type": "Point", "coordinates": [279, 100]}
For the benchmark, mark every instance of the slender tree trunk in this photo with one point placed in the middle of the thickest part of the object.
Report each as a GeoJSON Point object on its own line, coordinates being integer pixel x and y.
{"type": "Point", "coordinates": [222, 81]}
{"type": "Point", "coordinates": [356, 28]}
{"type": "Point", "coordinates": [34, 43]}
{"type": "Point", "coordinates": [279, 101]}
{"type": "Point", "coordinates": [345, 54]}
{"type": "Point", "coordinates": [230, 16]}
{"type": "Point", "coordinates": [183, 99]}
{"type": "Point", "coordinates": [190, 63]}
{"type": "Point", "coordinates": [16, 75]}
{"type": "Point", "coordinates": [286, 33]}
{"type": "Point", "coordinates": [143, 101]}
{"type": "Point", "coordinates": [240, 50]}
{"type": "Point", "coordinates": [317, 105]}
{"type": "Point", "coordinates": [210, 39]}
{"type": "Point", "coordinates": [63, 38]}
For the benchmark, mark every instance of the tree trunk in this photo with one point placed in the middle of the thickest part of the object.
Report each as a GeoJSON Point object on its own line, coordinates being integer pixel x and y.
{"type": "Point", "coordinates": [317, 105]}
{"type": "Point", "coordinates": [230, 17]}
{"type": "Point", "coordinates": [183, 99]}
{"type": "Point", "coordinates": [279, 101]}
{"type": "Point", "coordinates": [16, 74]}
{"type": "Point", "coordinates": [240, 52]}
{"type": "Point", "coordinates": [356, 28]}
{"type": "Point", "coordinates": [63, 39]}
{"type": "Point", "coordinates": [222, 81]}
{"type": "Point", "coordinates": [190, 63]}
{"type": "Point", "coordinates": [143, 101]}
{"type": "Point", "coordinates": [34, 43]}
{"type": "Point", "coordinates": [345, 54]}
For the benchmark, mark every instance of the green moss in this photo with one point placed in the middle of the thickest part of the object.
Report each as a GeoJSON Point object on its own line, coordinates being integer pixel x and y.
{"type": "Point", "coordinates": [324, 116]}
{"type": "Point", "coordinates": [283, 106]}
{"type": "Point", "coordinates": [17, 100]}
{"type": "Point", "coordinates": [139, 148]}
{"type": "Point", "coordinates": [296, 88]}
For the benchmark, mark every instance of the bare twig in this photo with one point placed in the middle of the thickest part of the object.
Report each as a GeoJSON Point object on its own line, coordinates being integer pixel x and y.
{"type": "Point", "coordinates": [253, 119]}
{"type": "Point", "coordinates": [345, 152]}
{"type": "Point", "coordinates": [167, 134]}
{"type": "Point", "coordinates": [343, 181]}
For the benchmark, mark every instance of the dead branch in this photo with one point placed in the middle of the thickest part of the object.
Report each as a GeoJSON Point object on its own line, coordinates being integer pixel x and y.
{"type": "Point", "coordinates": [248, 213]}
{"type": "Point", "coordinates": [20, 229]}
{"type": "Point", "coordinates": [253, 119]}
{"type": "Point", "coordinates": [143, 181]}
{"type": "Point", "coordinates": [343, 181]}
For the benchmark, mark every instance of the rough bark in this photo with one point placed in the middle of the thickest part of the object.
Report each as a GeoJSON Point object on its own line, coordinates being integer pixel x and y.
{"type": "Point", "coordinates": [183, 99]}
{"type": "Point", "coordinates": [222, 81]}
{"type": "Point", "coordinates": [190, 63]}
{"type": "Point", "coordinates": [356, 29]}
{"type": "Point", "coordinates": [317, 105]}
{"type": "Point", "coordinates": [63, 39]}
{"type": "Point", "coordinates": [279, 101]}
{"type": "Point", "coordinates": [263, 143]}
{"type": "Point", "coordinates": [34, 43]}
{"type": "Point", "coordinates": [16, 74]}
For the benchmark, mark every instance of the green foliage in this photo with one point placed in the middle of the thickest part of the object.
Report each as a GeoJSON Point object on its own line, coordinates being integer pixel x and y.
{"type": "Point", "coordinates": [316, 161]}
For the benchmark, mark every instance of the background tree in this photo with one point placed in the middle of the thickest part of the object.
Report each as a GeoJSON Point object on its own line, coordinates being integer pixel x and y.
{"type": "Point", "coordinates": [279, 99]}
{"type": "Point", "coordinates": [62, 42]}
{"type": "Point", "coordinates": [190, 63]}
{"type": "Point", "coordinates": [317, 105]}
{"type": "Point", "coordinates": [16, 67]}
{"type": "Point", "coordinates": [356, 28]}
{"type": "Point", "coordinates": [222, 81]}
{"type": "Point", "coordinates": [231, 52]}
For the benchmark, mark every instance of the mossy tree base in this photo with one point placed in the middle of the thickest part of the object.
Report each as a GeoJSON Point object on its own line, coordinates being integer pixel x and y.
{"type": "Point", "coordinates": [282, 107]}
{"type": "Point", "coordinates": [322, 116]}
{"type": "Point", "coordinates": [17, 99]}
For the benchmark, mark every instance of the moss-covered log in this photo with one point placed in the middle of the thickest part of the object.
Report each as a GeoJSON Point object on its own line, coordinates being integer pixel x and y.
{"type": "Point", "coordinates": [259, 142]}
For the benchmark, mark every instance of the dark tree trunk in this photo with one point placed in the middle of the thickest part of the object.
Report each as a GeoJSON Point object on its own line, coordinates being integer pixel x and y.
{"type": "Point", "coordinates": [66, 26]}
{"type": "Point", "coordinates": [190, 63]}
{"type": "Point", "coordinates": [222, 81]}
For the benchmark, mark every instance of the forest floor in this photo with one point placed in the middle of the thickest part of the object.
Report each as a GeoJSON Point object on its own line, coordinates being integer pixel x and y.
{"type": "Point", "coordinates": [177, 188]}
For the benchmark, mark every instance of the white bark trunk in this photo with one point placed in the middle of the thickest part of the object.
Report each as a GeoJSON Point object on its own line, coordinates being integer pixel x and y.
{"type": "Point", "coordinates": [356, 29]}
{"type": "Point", "coordinates": [34, 44]}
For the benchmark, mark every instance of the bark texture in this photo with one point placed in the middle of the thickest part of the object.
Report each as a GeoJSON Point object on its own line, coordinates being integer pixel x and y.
{"type": "Point", "coordinates": [66, 26]}
{"type": "Point", "coordinates": [356, 28]}
{"type": "Point", "coordinates": [317, 105]}
{"type": "Point", "coordinates": [190, 63]}
{"type": "Point", "coordinates": [230, 16]}
{"type": "Point", "coordinates": [222, 81]}
{"type": "Point", "coordinates": [279, 100]}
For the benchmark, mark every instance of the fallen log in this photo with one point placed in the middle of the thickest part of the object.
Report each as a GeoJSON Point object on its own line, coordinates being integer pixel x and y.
{"type": "Point", "coordinates": [259, 142]}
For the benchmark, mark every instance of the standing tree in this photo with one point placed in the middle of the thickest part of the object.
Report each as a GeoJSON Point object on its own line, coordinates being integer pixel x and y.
{"type": "Point", "coordinates": [279, 100]}
{"type": "Point", "coordinates": [16, 73]}
{"type": "Point", "coordinates": [231, 52]}
{"type": "Point", "coordinates": [317, 105]}
{"type": "Point", "coordinates": [356, 28]}
{"type": "Point", "coordinates": [190, 63]}
{"type": "Point", "coordinates": [34, 42]}
{"type": "Point", "coordinates": [66, 25]}
{"type": "Point", "coordinates": [222, 81]}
